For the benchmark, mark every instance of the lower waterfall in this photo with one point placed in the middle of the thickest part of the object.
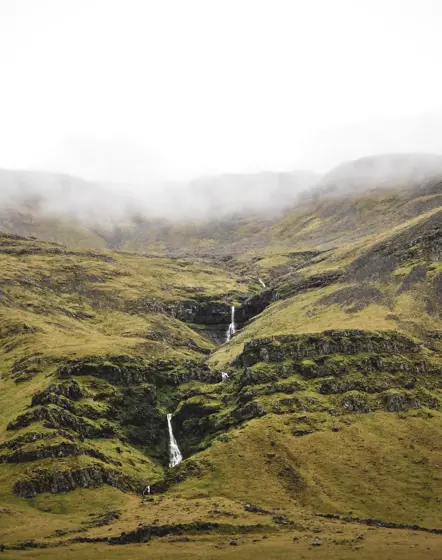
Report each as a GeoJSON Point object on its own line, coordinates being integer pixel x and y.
{"type": "Point", "coordinates": [175, 456]}
{"type": "Point", "coordinates": [232, 327]}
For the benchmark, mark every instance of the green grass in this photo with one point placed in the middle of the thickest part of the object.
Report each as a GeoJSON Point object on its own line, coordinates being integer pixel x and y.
{"type": "Point", "coordinates": [306, 455]}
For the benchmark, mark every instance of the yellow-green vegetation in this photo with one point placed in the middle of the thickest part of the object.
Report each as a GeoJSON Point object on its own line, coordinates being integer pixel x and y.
{"type": "Point", "coordinates": [326, 439]}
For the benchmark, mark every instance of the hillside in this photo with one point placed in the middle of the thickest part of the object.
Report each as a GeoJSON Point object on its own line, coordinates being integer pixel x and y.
{"type": "Point", "coordinates": [325, 441]}
{"type": "Point", "coordinates": [225, 214]}
{"type": "Point", "coordinates": [169, 217]}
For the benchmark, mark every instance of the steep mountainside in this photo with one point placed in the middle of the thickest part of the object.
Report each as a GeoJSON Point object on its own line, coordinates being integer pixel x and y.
{"type": "Point", "coordinates": [325, 437]}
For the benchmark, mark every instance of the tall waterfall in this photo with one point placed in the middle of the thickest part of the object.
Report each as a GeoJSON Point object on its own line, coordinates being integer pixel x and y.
{"type": "Point", "coordinates": [261, 282]}
{"type": "Point", "coordinates": [174, 451]}
{"type": "Point", "coordinates": [232, 327]}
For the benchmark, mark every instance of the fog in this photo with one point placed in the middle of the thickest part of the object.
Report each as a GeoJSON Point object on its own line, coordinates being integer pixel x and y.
{"type": "Point", "coordinates": [265, 195]}
{"type": "Point", "coordinates": [202, 108]}
{"type": "Point", "coordinates": [204, 198]}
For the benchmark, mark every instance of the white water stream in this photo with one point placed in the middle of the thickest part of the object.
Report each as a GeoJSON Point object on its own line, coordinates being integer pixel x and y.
{"type": "Point", "coordinates": [261, 282]}
{"type": "Point", "coordinates": [175, 456]}
{"type": "Point", "coordinates": [232, 327]}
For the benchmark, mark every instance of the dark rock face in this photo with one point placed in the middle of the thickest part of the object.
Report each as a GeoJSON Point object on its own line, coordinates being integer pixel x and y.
{"type": "Point", "coordinates": [194, 372]}
{"type": "Point", "coordinates": [101, 520]}
{"type": "Point", "coordinates": [396, 403]}
{"type": "Point", "coordinates": [123, 371]}
{"type": "Point", "coordinates": [298, 347]}
{"type": "Point", "coordinates": [256, 509]}
{"type": "Point", "coordinates": [418, 274]}
{"type": "Point", "coordinates": [142, 423]}
{"type": "Point", "coordinates": [434, 301]}
{"type": "Point", "coordinates": [355, 298]}
{"type": "Point", "coordinates": [65, 481]}
{"type": "Point", "coordinates": [389, 401]}
{"type": "Point", "coordinates": [207, 316]}
{"type": "Point", "coordinates": [31, 437]}
{"type": "Point", "coordinates": [254, 306]}
{"type": "Point", "coordinates": [204, 311]}
{"type": "Point", "coordinates": [265, 386]}
{"type": "Point", "coordinates": [55, 451]}
{"type": "Point", "coordinates": [145, 532]}
{"type": "Point", "coordinates": [249, 377]}
{"type": "Point", "coordinates": [378, 523]}
{"type": "Point", "coordinates": [355, 403]}
{"type": "Point", "coordinates": [248, 411]}
{"type": "Point", "coordinates": [193, 423]}
{"type": "Point", "coordinates": [210, 318]}
{"type": "Point", "coordinates": [56, 418]}
{"type": "Point", "coordinates": [298, 285]}
{"type": "Point", "coordinates": [422, 241]}
{"type": "Point", "coordinates": [70, 391]}
{"type": "Point", "coordinates": [114, 372]}
{"type": "Point", "coordinates": [326, 366]}
{"type": "Point", "coordinates": [60, 450]}
{"type": "Point", "coordinates": [333, 386]}
{"type": "Point", "coordinates": [401, 402]}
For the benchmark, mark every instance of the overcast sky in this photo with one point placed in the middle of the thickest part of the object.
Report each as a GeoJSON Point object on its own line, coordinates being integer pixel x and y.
{"type": "Point", "coordinates": [148, 90]}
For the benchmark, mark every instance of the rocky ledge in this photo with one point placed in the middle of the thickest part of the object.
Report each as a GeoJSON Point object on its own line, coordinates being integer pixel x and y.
{"type": "Point", "coordinates": [347, 342]}
{"type": "Point", "coordinates": [65, 481]}
{"type": "Point", "coordinates": [144, 533]}
{"type": "Point", "coordinates": [64, 449]}
{"type": "Point", "coordinates": [122, 370]}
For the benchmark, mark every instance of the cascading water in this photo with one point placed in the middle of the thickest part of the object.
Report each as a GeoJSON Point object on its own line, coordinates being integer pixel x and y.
{"type": "Point", "coordinates": [175, 456]}
{"type": "Point", "coordinates": [232, 327]}
{"type": "Point", "coordinates": [261, 282]}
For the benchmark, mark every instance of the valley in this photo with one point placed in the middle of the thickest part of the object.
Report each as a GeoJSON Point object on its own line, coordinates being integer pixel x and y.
{"type": "Point", "coordinates": [295, 358]}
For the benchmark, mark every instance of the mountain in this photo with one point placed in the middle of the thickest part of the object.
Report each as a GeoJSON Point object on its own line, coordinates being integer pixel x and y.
{"type": "Point", "coordinates": [78, 213]}
{"type": "Point", "coordinates": [381, 170]}
{"type": "Point", "coordinates": [225, 213]}
{"type": "Point", "coordinates": [324, 440]}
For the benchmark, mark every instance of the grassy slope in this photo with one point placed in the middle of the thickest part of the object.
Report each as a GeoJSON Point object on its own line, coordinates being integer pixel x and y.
{"type": "Point", "coordinates": [58, 305]}
{"type": "Point", "coordinates": [82, 303]}
{"type": "Point", "coordinates": [380, 464]}
{"type": "Point", "coordinates": [322, 308]}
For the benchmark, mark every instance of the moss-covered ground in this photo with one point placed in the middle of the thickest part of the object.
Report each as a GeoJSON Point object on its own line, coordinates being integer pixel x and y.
{"type": "Point", "coordinates": [333, 405]}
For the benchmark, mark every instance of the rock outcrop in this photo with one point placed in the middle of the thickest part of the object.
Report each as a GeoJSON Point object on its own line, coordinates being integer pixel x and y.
{"type": "Point", "coordinates": [346, 342]}
{"type": "Point", "coordinates": [65, 481]}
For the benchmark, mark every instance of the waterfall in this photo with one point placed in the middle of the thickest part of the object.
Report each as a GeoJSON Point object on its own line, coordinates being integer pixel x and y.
{"type": "Point", "coordinates": [261, 282]}
{"type": "Point", "coordinates": [174, 450]}
{"type": "Point", "coordinates": [232, 328]}
{"type": "Point", "coordinates": [224, 376]}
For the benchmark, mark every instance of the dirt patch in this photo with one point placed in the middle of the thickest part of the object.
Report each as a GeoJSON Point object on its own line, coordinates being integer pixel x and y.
{"type": "Point", "coordinates": [418, 274]}
{"type": "Point", "coordinates": [355, 298]}
{"type": "Point", "coordinates": [434, 301]}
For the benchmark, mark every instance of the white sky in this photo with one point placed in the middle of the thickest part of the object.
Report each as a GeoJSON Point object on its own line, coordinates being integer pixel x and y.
{"type": "Point", "coordinates": [129, 90]}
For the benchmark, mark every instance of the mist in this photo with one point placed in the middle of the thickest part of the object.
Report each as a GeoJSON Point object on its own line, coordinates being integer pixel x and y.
{"type": "Point", "coordinates": [50, 194]}
{"type": "Point", "coordinates": [152, 92]}
{"type": "Point", "coordinates": [198, 110]}
{"type": "Point", "coordinates": [265, 195]}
